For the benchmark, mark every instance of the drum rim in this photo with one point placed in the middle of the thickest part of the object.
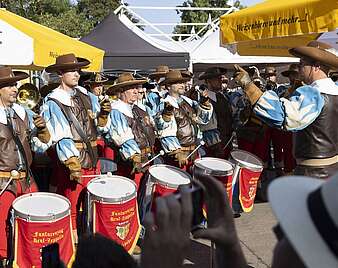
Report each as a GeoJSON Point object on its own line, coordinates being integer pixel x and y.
{"type": "Point", "coordinates": [166, 184]}
{"type": "Point", "coordinates": [37, 218]}
{"type": "Point", "coordinates": [245, 166]}
{"type": "Point", "coordinates": [112, 200]}
{"type": "Point", "coordinates": [214, 172]}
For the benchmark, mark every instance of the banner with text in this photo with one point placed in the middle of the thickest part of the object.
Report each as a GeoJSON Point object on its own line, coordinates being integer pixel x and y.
{"type": "Point", "coordinates": [30, 237]}
{"type": "Point", "coordinates": [119, 222]}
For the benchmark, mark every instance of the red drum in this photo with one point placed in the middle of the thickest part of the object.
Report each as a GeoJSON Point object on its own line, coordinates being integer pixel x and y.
{"type": "Point", "coordinates": [41, 219]}
{"type": "Point", "coordinates": [113, 210]}
{"type": "Point", "coordinates": [219, 168]}
{"type": "Point", "coordinates": [167, 179]}
{"type": "Point", "coordinates": [247, 172]}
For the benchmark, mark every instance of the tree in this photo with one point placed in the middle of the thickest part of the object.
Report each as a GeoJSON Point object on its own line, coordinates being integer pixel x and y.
{"type": "Point", "coordinates": [199, 16]}
{"type": "Point", "coordinates": [95, 11]}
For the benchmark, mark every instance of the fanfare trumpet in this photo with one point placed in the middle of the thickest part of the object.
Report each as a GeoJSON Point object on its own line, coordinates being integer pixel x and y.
{"type": "Point", "coordinates": [28, 96]}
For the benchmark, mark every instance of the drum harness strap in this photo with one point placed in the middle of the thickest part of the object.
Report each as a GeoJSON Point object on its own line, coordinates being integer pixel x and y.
{"type": "Point", "coordinates": [21, 152]}
{"type": "Point", "coordinates": [72, 119]}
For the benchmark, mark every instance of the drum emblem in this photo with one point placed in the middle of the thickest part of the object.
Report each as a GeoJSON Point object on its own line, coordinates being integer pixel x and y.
{"type": "Point", "coordinates": [122, 231]}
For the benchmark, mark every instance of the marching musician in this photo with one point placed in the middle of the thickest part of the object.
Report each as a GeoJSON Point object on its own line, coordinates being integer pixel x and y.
{"type": "Point", "coordinates": [131, 129]}
{"type": "Point", "coordinates": [74, 115]}
{"type": "Point", "coordinates": [217, 133]}
{"type": "Point", "coordinates": [158, 92]}
{"type": "Point", "coordinates": [177, 124]}
{"type": "Point", "coordinates": [20, 132]}
{"type": "Point", "coordinates": [95, 84]}
{"type": "Point", "coordinates": [309, 112]}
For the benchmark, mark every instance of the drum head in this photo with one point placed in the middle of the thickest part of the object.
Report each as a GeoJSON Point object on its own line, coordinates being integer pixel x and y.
{"type": "Point", "coordinates": [169, 175]}
{"type": "Point", "coordinates": [41, 206]}
{"type": "Point", "coordinates": [247, 160]}
{"type": "Point", "coordinates": [112, 189]}
{"type": "Point", "coordinates": [214, 166]}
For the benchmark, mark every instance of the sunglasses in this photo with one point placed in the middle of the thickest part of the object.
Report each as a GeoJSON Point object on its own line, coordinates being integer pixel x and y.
{"type": "Point", "coordinates": [279, 233]}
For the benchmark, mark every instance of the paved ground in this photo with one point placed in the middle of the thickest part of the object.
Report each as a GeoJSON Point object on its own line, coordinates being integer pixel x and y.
{"type": "Point", "coordinates": [256, 238]}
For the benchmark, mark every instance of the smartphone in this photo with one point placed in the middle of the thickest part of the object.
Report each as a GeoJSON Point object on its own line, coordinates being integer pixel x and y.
{"type": "Point", "coordinates": [50, 256]}
{"type": "Point", "coordinates": [197, 202]}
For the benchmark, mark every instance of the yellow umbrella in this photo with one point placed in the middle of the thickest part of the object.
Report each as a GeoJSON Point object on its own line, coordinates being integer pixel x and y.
{"type": "Point", "coordinates": [276, 25]}
{"type": "Point", "coordinates": [30, 45]}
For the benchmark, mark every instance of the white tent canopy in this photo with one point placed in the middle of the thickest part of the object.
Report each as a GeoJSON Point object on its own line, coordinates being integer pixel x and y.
{"type": "Point", "coordinates": [205, 51]}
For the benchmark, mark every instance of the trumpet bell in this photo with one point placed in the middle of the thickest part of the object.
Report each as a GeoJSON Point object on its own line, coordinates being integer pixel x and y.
{"type": "Point", "coordinates": [28, 96]}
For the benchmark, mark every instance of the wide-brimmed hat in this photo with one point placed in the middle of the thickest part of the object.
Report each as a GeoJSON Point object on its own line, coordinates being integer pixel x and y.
{"type": "Point", "coordinates": [96, 78]}
{"type": "Point", "coordinates": [174, 77]}
{"type": "Point", "coordinates": [212, 72]}
{"type": "Point", "coordinates": [307, 211]}
{"type": "Point", "coordinates": [187, 74]}
{"type": "Point", "coordinates": [317, 51]}
{"type": "Point", "coordinates": [7, 76]}
{"type": "Point", "coordinates": [67, 62]}
{"type": "Point", "coordinates": [123, 83]}
{"type": "Point", "coordinates": [293, 68]}
{"type": "Point", "coordinates": [269, 70]}
{"type": "Point", "coordinates": [161, 71]}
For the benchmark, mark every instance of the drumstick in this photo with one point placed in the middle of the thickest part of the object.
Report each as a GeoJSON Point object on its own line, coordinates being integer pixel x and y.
{"type": "Point", "coordinates": [97, 175]}
{"type": "Point", "coordinates": [201, 144]}
{"type": "Point", "coordinates": [151, 160]}
{"type": "Point", "coordinates": [14, 173]}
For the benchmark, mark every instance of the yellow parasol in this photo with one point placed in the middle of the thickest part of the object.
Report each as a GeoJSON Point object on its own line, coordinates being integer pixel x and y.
{"type": "Point", "coordinates": [29, 45]}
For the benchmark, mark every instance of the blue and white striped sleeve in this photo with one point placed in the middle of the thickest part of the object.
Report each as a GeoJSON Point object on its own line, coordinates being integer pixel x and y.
{"type": "Point", "coordinates": [293, 114]}
{"type": "Point", "coordinates": [203, 115]}
{"type": "Point", "coordinates": [122, 135]}
{"type": "Point", "coordinates": [153, 102]}
{"type": "Point", "coordinates": [59, 129]}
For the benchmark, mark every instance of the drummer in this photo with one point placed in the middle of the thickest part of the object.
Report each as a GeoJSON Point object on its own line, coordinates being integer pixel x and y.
{"type": "Point", "coordinates": [217, 133]}
{"type": "Point", "coordinates": [71, 111]}
{"type": "Point", "coordinates": [131, 129]}
{"type": "Point", "coordinates": [177, 123]}
{"type": "Point", "coordinates": [309, 111]}
{"type": "Point", "coordinates": [15, 149]}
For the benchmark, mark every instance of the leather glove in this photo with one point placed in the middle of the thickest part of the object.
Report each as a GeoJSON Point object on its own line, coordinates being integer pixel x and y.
{"type": "Point", "coordinates": [137, 163]}
{"type": "Point", "coordinates": [104, 112]}
{"type": "Point", "coordinates": [241, 76]}
{"type": "Point", "coordinates": [74, 166]}
{"type": "Point", "coordinates": [42, 130]}
{"type": "Point", "coordinates": [168, 111]}
{"type": "Point", "coordinates": [204, 100]}
{"type": "Point", "coordinates": [252, 91]}
{"type": "Point", "coordinates": [181, 158]}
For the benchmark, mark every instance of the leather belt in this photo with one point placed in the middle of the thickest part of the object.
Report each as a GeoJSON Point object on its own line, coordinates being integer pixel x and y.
{"type": "Point", "coordinates": [318, 161]}
{"type": "Point", "coordinates": [82, 145]}
{"type": "Point", "coordinates": [188, 148]}
{"type": "Point", "coordinates": [9, 174]}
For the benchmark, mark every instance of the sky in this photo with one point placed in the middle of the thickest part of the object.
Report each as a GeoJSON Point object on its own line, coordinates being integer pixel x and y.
{"type": "Point", "coordinates": [166, 16]}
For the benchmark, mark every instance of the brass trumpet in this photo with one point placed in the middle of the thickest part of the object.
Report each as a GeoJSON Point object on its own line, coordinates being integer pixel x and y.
{"type": "Point", "coordinates": [28, 96]}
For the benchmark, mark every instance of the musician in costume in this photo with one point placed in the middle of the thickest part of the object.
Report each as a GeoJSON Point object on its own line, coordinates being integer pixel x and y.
{"type": "Point", "coordinates": [74, 115]}
{"type": "Point", "coordinates": [131, 129]}
{"type": "Point", "coordinates": [177, 124]}
{"type": "Point", "coordinates": [20, 132]}
{"type": "Point", "coordinates": [95, 85]}
{"type": "Point", "coordinates": [217, 133]}
{"type": "Point", "coordinates": [158, 92]}
{"type": "Point", "coordinates": [310, 111]}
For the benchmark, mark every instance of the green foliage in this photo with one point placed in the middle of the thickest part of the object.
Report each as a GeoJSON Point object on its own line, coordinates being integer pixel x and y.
{"type": "Point", "coordinates": [73, 18]}
{"type": "Point", "coordinates": [200, 16]}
